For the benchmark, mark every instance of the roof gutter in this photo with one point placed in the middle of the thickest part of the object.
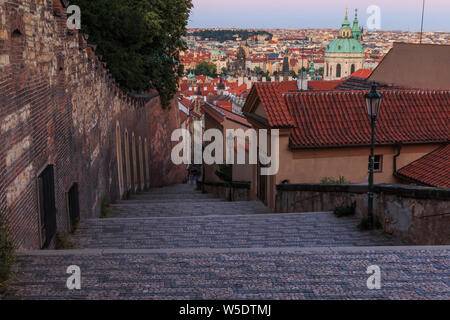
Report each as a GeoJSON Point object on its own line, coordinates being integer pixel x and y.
{"type": "Point", "coordinates": [399, 151]}
{"type": "Point", "coordinates": [340, 146]}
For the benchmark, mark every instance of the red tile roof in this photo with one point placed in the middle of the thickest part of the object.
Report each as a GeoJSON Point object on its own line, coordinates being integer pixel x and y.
{"type": "Point", "coordinates": [269, 93]}
{"type": "Point", "coordinates": [433, 169]}
{"type": "Point", "coordinates": [323, 84]}
{"type": "Point", "coordinates": [339, 118]}
{"type": "Point", "coordinates": [362, 73]}
{"type": "Point", "coordinates": [223, 113]}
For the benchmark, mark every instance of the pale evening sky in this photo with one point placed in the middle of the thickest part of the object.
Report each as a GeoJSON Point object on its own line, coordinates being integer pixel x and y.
{"type": "Point", "coordinates": [395, 14]}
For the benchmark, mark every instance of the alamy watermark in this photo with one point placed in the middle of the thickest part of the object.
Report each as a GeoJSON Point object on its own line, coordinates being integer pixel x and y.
{"type": "Point", "coordinates": [74, 280]}
{"type": "Point", "coordinates": [74, 20]}
{"type": "Point", "coordinates": [374, 281]}
{"type": "Point", "coordinates": [208, 148]}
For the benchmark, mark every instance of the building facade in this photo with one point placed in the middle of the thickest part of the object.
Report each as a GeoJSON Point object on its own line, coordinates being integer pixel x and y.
{"type": "Point", "coordinates": [345, 55]}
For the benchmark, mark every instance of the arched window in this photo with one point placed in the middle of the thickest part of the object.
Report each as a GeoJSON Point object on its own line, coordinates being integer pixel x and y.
{"type": "Point", "coordinates": [17, 50]}
{"type": "Point", "coordinates": [127, 160]}
{"type": "Point", "coordinates": [327, 68]}
{"type": "Point", "coordinates": [141, 165]}
{"type": "Point", "coordinates": [147, 164]}
{"type": "Point", "coordinates": [352, 71]}
{"type": "Point", "coordinates": [119, 159]}
{"type": "Point", "coordinates": [135, 169]}
{"type": "Point", "coordinates": [338, 71]}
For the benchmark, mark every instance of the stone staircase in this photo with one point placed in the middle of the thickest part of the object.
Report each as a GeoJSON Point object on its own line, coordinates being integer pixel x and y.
{"type": "Point", "coordinates": [177, 243]}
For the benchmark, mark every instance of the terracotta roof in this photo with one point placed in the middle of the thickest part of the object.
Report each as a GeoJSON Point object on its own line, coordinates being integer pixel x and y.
{"type": "Point", "coordinates": [433, 169]}
{"type": "Point", "coordinates": [339, 118]}
{"type": "Point", "coordinates": [223, 113]}
{"type": "Point", "coordinates": [269, 93]}
{"type": "Point", "coordinates": [355, 83]}
{"type": "Point", "coordinates": [323, 84]}
{"type": "Point", "coordinates": [415, 65]}
{"type": "Point", "coordinates": [361, 73]}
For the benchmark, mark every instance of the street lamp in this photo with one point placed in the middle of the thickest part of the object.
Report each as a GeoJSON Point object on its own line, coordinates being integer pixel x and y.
{"type": "Point", "coordinates": [373, 103]}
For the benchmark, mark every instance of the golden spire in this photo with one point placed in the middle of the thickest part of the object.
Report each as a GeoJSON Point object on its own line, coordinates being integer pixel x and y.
{"type": "Point", "coordinates": [346, 13]}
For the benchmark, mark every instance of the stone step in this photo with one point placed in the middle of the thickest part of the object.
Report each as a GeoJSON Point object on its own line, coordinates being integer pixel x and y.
{"type": "Point", "coordinates": [179, 208]}
{"type": "Point", "coordinates": [187, 201]}
{"type": "Point", "coordinates": [193, 196]}
{"type": "Point", "coordinates": [244, 231]}
{"type": "Point", "coordinates": [306, 274]}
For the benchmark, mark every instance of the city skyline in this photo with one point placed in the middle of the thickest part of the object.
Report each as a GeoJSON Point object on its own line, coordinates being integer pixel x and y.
{"type": "Point", "coordinates": [399, 15]}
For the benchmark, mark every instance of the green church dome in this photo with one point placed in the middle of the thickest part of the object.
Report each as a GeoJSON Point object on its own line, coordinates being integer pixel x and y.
{"type": "Point", "coordinates": [345, 46]}
{"type": "Point", "coordinates": [347, 42]}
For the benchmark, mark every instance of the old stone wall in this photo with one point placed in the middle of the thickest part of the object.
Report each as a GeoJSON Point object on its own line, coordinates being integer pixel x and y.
{"type": "Point", "coordinates": [60, 107]}
{"type": "Point", "coordinates": [416, 214]}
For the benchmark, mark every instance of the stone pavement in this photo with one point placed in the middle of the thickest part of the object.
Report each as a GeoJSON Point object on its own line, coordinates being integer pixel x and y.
{"type": "Point", "coordinates": [175, 243]}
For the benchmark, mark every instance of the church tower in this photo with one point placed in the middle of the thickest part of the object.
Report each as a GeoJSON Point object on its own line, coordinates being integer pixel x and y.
{"type": "Point", "coordinates": [346, 54]}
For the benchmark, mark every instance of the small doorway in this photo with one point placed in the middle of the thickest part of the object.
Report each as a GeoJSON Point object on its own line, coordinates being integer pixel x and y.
{"type": "Point", "coordinates": [47, 207]}
{"type": "Point", "coordinates": [73, 207]}
{"type": "Point", "coordinates": [262, 185]}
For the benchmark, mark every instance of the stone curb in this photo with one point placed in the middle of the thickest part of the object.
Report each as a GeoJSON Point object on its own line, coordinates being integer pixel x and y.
{"type": "Point", "coordinates": [103, 252]}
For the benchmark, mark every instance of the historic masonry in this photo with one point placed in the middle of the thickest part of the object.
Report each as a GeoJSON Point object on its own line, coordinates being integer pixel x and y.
{"type": "Point", "coordinates": [70, 138]}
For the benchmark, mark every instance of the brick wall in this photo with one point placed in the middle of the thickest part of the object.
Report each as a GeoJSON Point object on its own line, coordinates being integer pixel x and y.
{"type": "Point", "coordinates": [60, 106]}
{"type": "Point", "coordinates": [418, 215]}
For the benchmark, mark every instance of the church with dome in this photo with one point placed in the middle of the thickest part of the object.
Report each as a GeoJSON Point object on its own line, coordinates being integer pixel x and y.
{"type": "Point", "coordinates": [346, 54]}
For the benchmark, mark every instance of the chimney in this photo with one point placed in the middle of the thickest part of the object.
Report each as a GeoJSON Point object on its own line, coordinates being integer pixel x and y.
{"type": "Point", "coordinates": [302, 85]}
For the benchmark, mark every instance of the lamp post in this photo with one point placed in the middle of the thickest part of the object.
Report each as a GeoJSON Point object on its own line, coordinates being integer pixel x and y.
{"type": "Point", "coordinates": [373, 103]}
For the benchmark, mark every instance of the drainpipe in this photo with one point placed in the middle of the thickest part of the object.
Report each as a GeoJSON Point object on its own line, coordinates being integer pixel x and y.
{"type": "Point", "coordinates": [399, 151]}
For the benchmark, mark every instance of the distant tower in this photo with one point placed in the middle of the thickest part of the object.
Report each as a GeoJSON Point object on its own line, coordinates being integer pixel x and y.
{"type": "Point", "coordinates": [241, 61]}
{"type": "Point", "coordinates": [220, 87]}
{"type": "Point", "coordinates": [346, 54]}
{"type": "Point", "coordinates": [356, 30]}
{"type": "Point", "coordinates": [286, 72]}
{"type": "Point", "coordinates": [312, 71]}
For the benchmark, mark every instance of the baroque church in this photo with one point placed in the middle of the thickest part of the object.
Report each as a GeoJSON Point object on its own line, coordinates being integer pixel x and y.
{"type": "Point", "coordinates": [346, 54]}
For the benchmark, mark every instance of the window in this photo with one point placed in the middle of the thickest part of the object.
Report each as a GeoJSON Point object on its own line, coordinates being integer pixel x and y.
{"type": "Point", "coordinates": [378, 163]}
{"type": "Point", "coordinates": [338, 71]}
{"type": "Point", "coordinates": [352, 71]}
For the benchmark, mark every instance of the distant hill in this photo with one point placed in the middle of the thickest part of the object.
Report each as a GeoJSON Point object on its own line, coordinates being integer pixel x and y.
{"type": "Point", "coordinates": [229, 35]}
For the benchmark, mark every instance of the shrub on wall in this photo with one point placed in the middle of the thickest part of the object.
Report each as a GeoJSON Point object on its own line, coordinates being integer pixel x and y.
{"type": "Point", "coordinates": [328, 180]}
{"type": "Point", "coordinates": [7, 256]}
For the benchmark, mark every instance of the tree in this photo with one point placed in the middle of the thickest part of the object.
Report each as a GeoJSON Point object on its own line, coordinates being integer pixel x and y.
{"type": "Point", "coordinates": [258, 71]}
{"type": "Point", "coordinates": [206, 68]}
{"type": "Point", "coordinates": [140, 40]}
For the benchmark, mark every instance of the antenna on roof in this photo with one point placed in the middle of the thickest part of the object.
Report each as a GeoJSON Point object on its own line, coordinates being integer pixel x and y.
{"type": "Point", "coordinates": [421, 27]}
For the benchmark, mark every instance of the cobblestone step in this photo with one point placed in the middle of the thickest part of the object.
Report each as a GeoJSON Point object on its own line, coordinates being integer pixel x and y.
{"type": "Point", "coordinates": [176, 243]}
{"type": "Point", "coordinates": [327, 274]}
{"type": "Point", "coordinates": [301, 230]}
{"type": "Point", "coordinates": [193, 196]}
{"type": "Point", "coordinates": [181, 208]}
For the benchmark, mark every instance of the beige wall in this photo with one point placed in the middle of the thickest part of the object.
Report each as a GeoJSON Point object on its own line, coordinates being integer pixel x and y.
{"type": "Point", "coordinates": [311, 166]}
{"type": "Point", "coordinates": [241, 173]}
{"type": "Point", "coordinates": [345, 60]}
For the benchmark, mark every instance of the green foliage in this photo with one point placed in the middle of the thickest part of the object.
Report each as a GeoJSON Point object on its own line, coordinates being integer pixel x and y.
{"type": "Point", "coordinates": [225, 172]}
{"type": "Point", "coordinates": [345, 211]}
{"type": "Point", "coordinates": [7, 256]}
{"type": "Point", "coordinates": [104, 209]}
{"type": "Point", "coordinates": [140, 40]}
{"type": "Point", "coordinates": [206, 68]}
{"type": "Point", "coordinates": [229, 35]}
{"type": "Point", "coordinates": [63, 242]}
{"type": "Point", "coordinates": [328, 180]}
